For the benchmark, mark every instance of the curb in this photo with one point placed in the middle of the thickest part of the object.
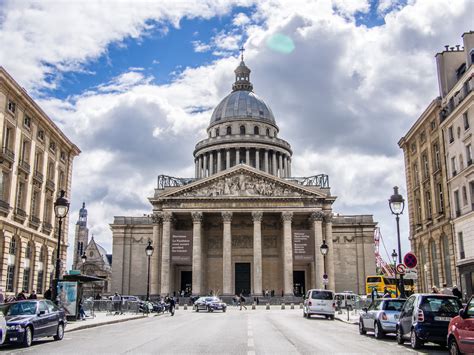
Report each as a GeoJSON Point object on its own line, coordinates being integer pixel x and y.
{"type": "Point", "coordinates": [93, 325]}
{"type": "Point", "coordinates": [344, 321]}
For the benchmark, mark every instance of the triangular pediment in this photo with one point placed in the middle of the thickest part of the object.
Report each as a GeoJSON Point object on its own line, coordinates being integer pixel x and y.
{"type": "Point", "coordinates": [242, 181]}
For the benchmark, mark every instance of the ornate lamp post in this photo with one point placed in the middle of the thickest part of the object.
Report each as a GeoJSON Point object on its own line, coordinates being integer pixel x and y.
{"type": "Point", "coordinates": [149, 252]}
{"type": "Point", "coordinates": [61, 208]}
{"type": "Point", "coordinates": [83, 259]}
{"type": "Point", "coordinates": [394, 258]}
{"type": "Point", "coordinates": [397, 204]}
{"type": "Point", "coordinates": [324, 250]}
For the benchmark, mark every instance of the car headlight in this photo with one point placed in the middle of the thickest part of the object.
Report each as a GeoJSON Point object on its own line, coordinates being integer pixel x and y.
{"type": "Point", "coordinates": [16, 327]}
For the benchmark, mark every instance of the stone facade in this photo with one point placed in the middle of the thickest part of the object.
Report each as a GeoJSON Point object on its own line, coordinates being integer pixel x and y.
{"type": "Point", "coordinates": [243, 224]}
{"type": "Point", "coordinates": [35, 165]}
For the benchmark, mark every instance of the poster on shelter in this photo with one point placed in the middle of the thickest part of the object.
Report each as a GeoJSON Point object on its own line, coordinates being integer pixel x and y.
{"type": "Point", "coordinates": [67, 293]}
{"type": "Point", "coordinates": [303, 245]}
{"type": "Point", "coordinates": [182, 247]}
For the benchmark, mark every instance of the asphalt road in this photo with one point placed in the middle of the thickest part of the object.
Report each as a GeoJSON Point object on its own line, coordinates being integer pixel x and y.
{"type": "Point", "coordinates": [235, 332]}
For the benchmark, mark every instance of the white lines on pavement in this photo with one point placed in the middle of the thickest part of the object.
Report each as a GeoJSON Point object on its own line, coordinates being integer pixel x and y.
{"type": "Point", "coordinates": [250, 342]}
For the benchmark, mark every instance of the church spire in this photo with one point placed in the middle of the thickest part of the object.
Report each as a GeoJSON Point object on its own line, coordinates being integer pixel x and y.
{"type": "Point", "coordinates": [242, 75]}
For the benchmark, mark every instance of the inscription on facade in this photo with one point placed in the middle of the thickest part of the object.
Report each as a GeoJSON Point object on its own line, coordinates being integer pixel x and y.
{"type": "Point", "coordinates": [182, 247]}
{"type": "Point", "coordinates": [303, 245]}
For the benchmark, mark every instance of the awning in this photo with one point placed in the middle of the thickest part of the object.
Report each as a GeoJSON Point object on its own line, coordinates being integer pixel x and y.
{"type": "Point", "coordinates": [82, 278]}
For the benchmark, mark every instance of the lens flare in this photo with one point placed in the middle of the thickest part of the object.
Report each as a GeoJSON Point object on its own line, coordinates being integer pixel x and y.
{"type": "Point", "coordinates": [280, 43]}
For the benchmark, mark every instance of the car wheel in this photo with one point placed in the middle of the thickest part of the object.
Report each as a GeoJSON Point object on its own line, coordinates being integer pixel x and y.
{"type": "Point", "coordinates": [308, 315]}
{"type": "Point", "coordinates": [197, 309]}
{"type": "Point", "coordinates": [208, 309]}
{"type": "Point", "coordinates": [28, 337]}
{"type": "Point", "coordinates": [331, 317]}
{"type": "Point", "coordinates": [224, 309]}
{"type": "Point", "coordinates": [59, 332]}
{"type": "Point", "coordinates": [378, 333]}
{"type": "Point", "coordinates": [400, 340]}
{"type": "Point", "coordinates": [415, 342]}
{"type": "Point", "coordinates": [362, 330]}
{"type": "Point", "coordinates": [453, 347]}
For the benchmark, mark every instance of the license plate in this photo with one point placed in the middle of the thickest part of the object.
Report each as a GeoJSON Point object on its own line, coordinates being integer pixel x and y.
{"type": "Point", "coordinates": [446, 319]}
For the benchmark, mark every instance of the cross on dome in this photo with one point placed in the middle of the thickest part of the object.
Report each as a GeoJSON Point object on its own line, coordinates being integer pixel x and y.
{"type": "Point", "coordinates": [242, 75]}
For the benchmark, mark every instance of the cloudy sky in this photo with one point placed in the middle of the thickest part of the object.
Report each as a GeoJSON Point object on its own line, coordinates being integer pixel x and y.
{"type": "Point", "coordinates": [134, 83]}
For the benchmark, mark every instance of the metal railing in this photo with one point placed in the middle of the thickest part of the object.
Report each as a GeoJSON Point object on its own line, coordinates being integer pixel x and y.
{"type": "Point", "coordinates": [110, 306]}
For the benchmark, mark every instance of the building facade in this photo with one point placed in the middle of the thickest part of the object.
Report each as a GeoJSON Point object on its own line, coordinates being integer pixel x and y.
{"type": "Point", "coordinates": [431, 232]}
{"type": "Point", "coordinates": [456, 86]}
{"type": "Point", "coordinates": [36, 164]}
{"type": "Point", "coordinates": [243, 224]}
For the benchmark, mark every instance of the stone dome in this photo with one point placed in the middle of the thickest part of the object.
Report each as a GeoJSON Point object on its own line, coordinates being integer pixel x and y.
{"type": "Point", "coordinates": [242, 104]}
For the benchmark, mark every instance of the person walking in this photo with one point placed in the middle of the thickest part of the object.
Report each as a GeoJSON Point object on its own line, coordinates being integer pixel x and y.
{"type": "Point", "coordinates": [386, 293]}
{"type": "Point", "coordinates": [457, 292]}
{"type": "Point", "coordinates": [33, 295]}
{"type": "Point", "coordinates": [48, 294]}
{"type": "Point", "coordinates": [117, 301]}
{"type": "Point", "coordinates": [242, 301]}
{"type": "Point", "coordinates": [434, 289]}
{"type": "Point", "coordinates": [21, 296]}
{"type": "Point", "coordinates": [172, 305]}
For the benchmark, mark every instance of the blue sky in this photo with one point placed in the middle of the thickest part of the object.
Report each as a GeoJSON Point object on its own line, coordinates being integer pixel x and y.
{"type": "Point", "coordinates": [134, 85]}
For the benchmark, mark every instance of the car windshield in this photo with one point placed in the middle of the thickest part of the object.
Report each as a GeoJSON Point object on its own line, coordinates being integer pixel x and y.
{"type": "Point", "coordinates": [19, 309]}
{"type": "Point", "coordinates": [201, 299]}
{"type": "Point", "coordinates": [393, 305]}
{"type": "Point", "coordinates": [441, 306]}
{"type": "Point", "coordinates": [321, 295]}
{"type": "Point", "coordinates": [373, 279]}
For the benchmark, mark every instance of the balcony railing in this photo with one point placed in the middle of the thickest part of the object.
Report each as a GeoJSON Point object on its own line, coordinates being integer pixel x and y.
{"type": "Point", "coordinates": [38, 177]}
{"type": "Point", "coordinates": [47, 227]}
{"type": "Point", "coordinates": [50, 185]}
{"type": "Point", "coordinates": [35, 221]}
{"type": "Point", "coordinates": [20, 213]}
{"type": "Point", "coordinates": [8, 155]}
{"type": "Point", "coordinates": [4, 206]}
{"type": "Point", "coordinates": [23, 165]}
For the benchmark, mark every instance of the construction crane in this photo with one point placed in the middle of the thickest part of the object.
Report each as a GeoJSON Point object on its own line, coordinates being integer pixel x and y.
{"type": "Point", "coordinates": [382, 266]}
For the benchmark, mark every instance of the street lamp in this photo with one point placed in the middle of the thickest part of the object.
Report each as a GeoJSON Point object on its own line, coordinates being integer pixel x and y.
{"type": "Point", "coordinates": [61, 208]}
{"type": "Point", "coordinates": [83, 259]}
{"type": "Point", "coordinates": [149, 252]}
{"type": "Point", "coordinates": [397, 204]}
{"type": "Point", "coordinates": [324, 250]}
{"type": "Point", "coordinates": [394, 258]}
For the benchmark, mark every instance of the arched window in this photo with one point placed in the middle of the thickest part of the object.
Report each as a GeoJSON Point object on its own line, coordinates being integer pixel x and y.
{"type": "Point", "coordinates": [217, 132]}
{"type": "Point", "coordinates": [256, 130]}
{"type": "Point", "coordinates": [434, 264]}
{"type": "Point", "coordinates": [423, 267]}
{"type": "Point", "coordinates": [446, 261]}
{"type": "Point", "coordinates": [229, 130]}
{"type": "Point", "coordinates": [268, 132]}
{"type": "Point", "coordinates": [242, 129]}
{"type": "Point", "coordinates": [11, 265]}
{"type": "Point", "coordinates": [27, 269]}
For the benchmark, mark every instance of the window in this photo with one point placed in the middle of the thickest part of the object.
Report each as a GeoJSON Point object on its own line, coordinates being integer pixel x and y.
{"type": "Point", "coordinates": [11, 265]}
{"type": "Point", "coordinates": [440, 199]}
{"type": "Point", "coordinates": [242, 130]}
{"type": "Point", "coordinates": [35, 198]}
{"type": "Point", "coordinates": [451, 134]}
{"type": "Point", "coordinates": [465, 119]}
{"type": "Point", "coordinates": [428, 205]}
{"type": "Point", "coordinates": [40, 135]}
{"type": "Point", "coordinates": [453, 166]}
{"type": "Point", "coordinates": [415, 174]}
{"type": "Point", "coordinates": [52, 146]}
{"type": "Point", "coordinates": [461, 246]}
{"type": "Point", "coordinates": [256, 130]}
{"type": "Point", "coordinates": [457, 204]}
{"type": "Point", "coordinates": [434, 264]}
{"type": "Point", "coordinates": [217, 132]}
{"type": "Point", "coordinates": [25, 151]}
{"type": "Point", "coordinates": [268, 132]}
{"type": "Point", "coordinates": [27, 122]}
{"type": "Point", "coordinates": [8, 138]}
{"type": "Point", "coordinates": [40, 281]}
{"type": "Point", "coordinates": [426, 169]}
{"type": "Point", "coordinates": [62, 180]}
{"type": "Point", "coordinates": [20, 197]}
{"type": "Point", "coordinates": [39, 161]}
{"type": "Point", "coordinates": [437, 161]}
{"type": "Point", "coordinates": [433, 125]}
{"type": "Point", "coordinates": [27, 269]}
{"type": "Point", "coordinates": [446, 261]}
{"type": "Point", "coordinates": [4, 186]}
{"type": "Point", "coordinates": [413, 147]}
{"type": "Point", "coordinates": [11, 106]}
{"type": "Point", "coordinates": [63, 155]}
{"type": "Point", "coordinates": [464, 196]}
{"type": "Point", "coordinates": [418, 209]}
{"type": "Point", "coordinates": [229, 130]}
{"type": "Point", "coordinates": [48, 206]}
{"type": "Point", "coordinates": [461, 162]}
{"type": "Point", "coordinates": [51, 170]}
{"type": "Point", "coordinates": [468, 154]}
{"type": "Point", "coordinates": [422, 136]}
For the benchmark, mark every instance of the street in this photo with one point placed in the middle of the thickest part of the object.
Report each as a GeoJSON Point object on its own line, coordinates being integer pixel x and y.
{"type": "Point", "coordinates": [234, 332]}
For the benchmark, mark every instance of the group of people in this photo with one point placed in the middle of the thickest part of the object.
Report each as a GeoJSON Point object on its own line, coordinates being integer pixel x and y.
{"type": "Point", "coordinates": [21, 296]}
{"type": "Point", "coordinates": [448, 291]}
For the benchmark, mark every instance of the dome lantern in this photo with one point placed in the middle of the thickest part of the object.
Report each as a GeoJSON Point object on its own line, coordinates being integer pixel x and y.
{"type": "Point", "coordinates": [242, 75]}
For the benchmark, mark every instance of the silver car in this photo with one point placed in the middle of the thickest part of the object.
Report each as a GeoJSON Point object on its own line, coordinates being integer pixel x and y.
{"type": "Point", "coordinates": [381, 317]}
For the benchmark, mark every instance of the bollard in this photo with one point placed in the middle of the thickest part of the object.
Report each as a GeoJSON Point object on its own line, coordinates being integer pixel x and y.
{"type": "Point", "coordinates": [268, 306]}
{"type": "Point", "coordinates": [292, 306]}
{"type": "Point", "coordinates": [177, 306]}
{"type": "Point", "coordinates": [253, 305]}
{"type": "Point", "coordinates": [282, 306]}
{"type": "Point", "coordinates": [301, 305]}
{"type": "Point", "coordinates": [185, 307]}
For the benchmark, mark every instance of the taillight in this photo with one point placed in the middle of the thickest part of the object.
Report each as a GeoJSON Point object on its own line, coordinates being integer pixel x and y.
{"type": "Point", "coordinates": [420, 316]}
{"type": "Point", "coordinates": [384, 316]}
{"type": "Point", "coordinates": [334, 305]}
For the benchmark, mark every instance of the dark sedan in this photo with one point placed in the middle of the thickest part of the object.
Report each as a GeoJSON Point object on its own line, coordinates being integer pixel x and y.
{"type": "Point", "coordinates": [210, 304]}
{"type": "Point", "coordinates": [33, 319]}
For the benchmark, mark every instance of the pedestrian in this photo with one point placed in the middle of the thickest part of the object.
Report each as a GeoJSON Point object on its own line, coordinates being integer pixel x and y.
{"type": "Point", "coordinates": [172, 305]}
{"type": "Point", "coordinates": [21, 296]}
{"type": "Point", "coordinates": [98, 297]}
{"type": "Point", "coordinates": [117, 302]}
{"type": "Point", "coordinates": [386, 293]}
{"type": "Point", "coordinates": [2, 297]}
{"type": "Point", "coordinates": [33, 295]}
{"type": "Point", "coordinates": [282, 294]}
{"type": "Point", "coordinates": [373, 294]}
{"type": "Point", "coordinates": [273, 293]}
{"type": "Point", "coordinates": [457, 293]}
{"type": "Point", "coordinates": [434, 289]}
{"type": "Point", "coordinates": [82, 313]}
{"type": "Point", "coordinates": [48, 294]}
{"type": "Point", "coordinates": [258, 302]}
{"type": "Point", "coordinates": [242, 302]}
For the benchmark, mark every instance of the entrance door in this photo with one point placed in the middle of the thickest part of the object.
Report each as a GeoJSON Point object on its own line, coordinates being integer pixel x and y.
{"type": "Point", "coordinates": [186, 281]}
{"type": "Point", "coordinates": [242, 278]}
{"type": "Point", "coordinates": [299, 287]}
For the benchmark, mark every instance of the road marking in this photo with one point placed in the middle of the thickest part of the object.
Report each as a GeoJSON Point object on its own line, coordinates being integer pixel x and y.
{"type": "Point", "coordinates": [250, 343]}
{"type": "Point", "coordinates": [249, 333]}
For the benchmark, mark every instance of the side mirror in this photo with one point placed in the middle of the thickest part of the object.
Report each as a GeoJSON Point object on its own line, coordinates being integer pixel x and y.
{"type": "Point", "coordinates": [41, 313]}
{"type": "Point", "coordinates": [462, 314]}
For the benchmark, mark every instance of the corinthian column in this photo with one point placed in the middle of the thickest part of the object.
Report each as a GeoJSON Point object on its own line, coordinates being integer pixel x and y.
{"type": "Point", "coordinates": [237, 156]}
{"type": "Point", "coordinates": [227, 254]}
{"type": "Point", "coordinates": [211, 163]}
{"type": "Point", "coordinates": [257, 159]}
{"type": "Point", "coordinates": [274, 164]}
{"type": "Point", "coordinates": [219, 159]}
{"type": "Point", "coordinates": [165, 253]}
{"type": "Point", "coordinates": [280, 163]}
{"type": "Point", "coordinates": [317, 221]}
{"type": "Point", "coordinates": [330, 254]}
{"type": "Point", "coordinates": [257, 252]}
{"type": "Point", "coordinates": [197, 253]}
{"type": "Point", "coordinates": [227, 158]}
{"type": "Point", "coordinates": [247, 156]}
{"type": "Point", "coordinates": [287, 253]}
{"type": "Point", "coordinates": [265, 161]}
{"type": "Point", "coordinates": [155, 258]}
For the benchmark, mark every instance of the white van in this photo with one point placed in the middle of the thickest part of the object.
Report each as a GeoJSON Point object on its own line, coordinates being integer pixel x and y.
{"type": "Point", "coordinates": [347, 300]}
{"type": "Point", "coordinates": [320, 302]}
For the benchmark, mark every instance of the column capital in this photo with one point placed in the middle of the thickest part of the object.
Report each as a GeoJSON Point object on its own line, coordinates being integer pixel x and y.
{"type": "Point", "coordinates": [227, 216]}
{"type": "Point", "coordinates": [197, 217]}
{"type": "Point", "coordinates": [287, 216]}
{"type": "Point", "coordinates": [167, 216]}
{"type": "Point", "coordinates": [317, 216]}
{"type": "Point", "coordinates": [328, 217]}
{"type": "Point", "coordinates": [157, 217]}
{"type": "Point", "coordinates": [257, 216]}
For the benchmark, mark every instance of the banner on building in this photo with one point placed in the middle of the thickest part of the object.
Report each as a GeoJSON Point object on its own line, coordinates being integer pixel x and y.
{"type": "Point", "coordinates": [182, 247]}
{"type": "Point", "coordinates": [67, 293]}
{"type": "Point", "coordinates": [303, 246]}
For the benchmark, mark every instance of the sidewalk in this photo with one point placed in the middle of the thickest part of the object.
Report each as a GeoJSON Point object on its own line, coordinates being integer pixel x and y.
{"type": "Point", "coordinates": [101, 318]}
{"type": "Point", "coordinates": [353, 317]}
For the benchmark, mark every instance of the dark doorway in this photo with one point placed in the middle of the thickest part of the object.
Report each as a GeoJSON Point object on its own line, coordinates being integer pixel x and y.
{"type": "Point", "coordinates": [186, 282]}
{"type": "Point", "coordinates": [242, 278]}
{"type": "Point", "coordinates": [299, 286]}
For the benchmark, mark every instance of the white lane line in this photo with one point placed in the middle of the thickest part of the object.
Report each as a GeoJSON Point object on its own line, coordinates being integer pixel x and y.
{"type": "Point", "coordinates": [250, 343]}
{"type": "Point", "coordinates": [249, 333]}
{"type": "Point", "coordinates": [250, 352]}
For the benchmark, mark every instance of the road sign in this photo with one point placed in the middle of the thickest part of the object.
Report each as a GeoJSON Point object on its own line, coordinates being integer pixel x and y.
{"type": "Point", "coordinates": [401, 268]}
{"type": "Point", "coordinates": [325, 281]}
{"type": "Point", "coordinates": [325, 276]}
{"type": "Point", "coordinates": [410, 260]}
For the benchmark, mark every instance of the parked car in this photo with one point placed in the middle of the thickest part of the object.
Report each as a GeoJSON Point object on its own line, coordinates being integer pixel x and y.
{"type": "Point", "coordinates": [381, 316]}
{"type": "Point", "coordinates": [33, 319]}
{"type": "Point", "coordinates": [210, 304]}
{"type": "Point", "coordinates": [3, 328]}
{"type": "Point", "coordinates": [425, 318]}
{"type": "Point", "coordinates": [347, 300]}
{"type": "Point", "coordinates": [461, 331]}
{"type": "Point", "coordinates": [320, 302]}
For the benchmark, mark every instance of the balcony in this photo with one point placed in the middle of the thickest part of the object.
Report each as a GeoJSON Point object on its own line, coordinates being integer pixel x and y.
{"type": "Point", "coordinates": [24, 166]}
{"type": "Point", "coordinates": [7, 155]}
{"type": "Point", "coordinates": [20, 214]}
{"type": "Point", "coordinates": [47, 227]}
{"type": "Point", "coordinates": [34, 222]}
{"type": "Point", "coordinates": [4, 207]}
{"type": "Point", "coordinates": [50, 185]}
{"type": "Point", "coordinates": [38, 177]}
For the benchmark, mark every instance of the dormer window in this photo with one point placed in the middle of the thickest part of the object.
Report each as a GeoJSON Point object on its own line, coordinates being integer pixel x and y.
{"type": "Point", "coordinates": [242, 130]}
{"type": "Point", "coordinates": [256, 130]}
{"type": "Point", "coordinates": [217, 132]}
{"type": "Point", "coordinates": [229, 130]}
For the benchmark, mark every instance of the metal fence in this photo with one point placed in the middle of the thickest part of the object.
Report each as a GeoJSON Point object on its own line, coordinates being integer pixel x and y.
{"type": "Point", "coordinates": [112, 307]}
